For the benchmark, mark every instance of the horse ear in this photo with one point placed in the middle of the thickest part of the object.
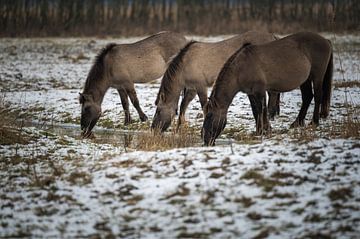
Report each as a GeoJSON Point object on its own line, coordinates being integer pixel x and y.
{"type": "Point", "coordinates": [162, 96]}
{"type": "Point", "coordinates": [209, 115]}
{"type": "Point", "coordinates": [209, 102]}
{"type": "Point", "coordinates": [81, 98]}
{"type": "Point", "coordinates": [85, 97]}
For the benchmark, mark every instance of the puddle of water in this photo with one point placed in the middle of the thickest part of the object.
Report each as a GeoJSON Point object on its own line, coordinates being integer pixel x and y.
{"type": "Point", "coordinates": [126, 138]}
{"type": "Point", "coordinates": [102, 135]}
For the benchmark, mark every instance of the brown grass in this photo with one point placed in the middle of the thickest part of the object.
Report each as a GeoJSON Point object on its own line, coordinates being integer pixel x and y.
{"type": "Point", "coordinates": [152, 140]}
{"type": "Point", "coordinates": [346, 84]}
{"type": "Point", "coordinates": [10, 130]}
{"type": "Point", "coordinates": [346, 127]}
{"type": "Point", "coordinates": [349, 127]}
{"type": "Point", "coordinates": [343, 193]}
{"type": "Point", "coordinates": [242, 136]}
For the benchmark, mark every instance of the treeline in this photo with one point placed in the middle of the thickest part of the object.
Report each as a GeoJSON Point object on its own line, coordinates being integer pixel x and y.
{"type": "Point", "coordinates": [135, 17]}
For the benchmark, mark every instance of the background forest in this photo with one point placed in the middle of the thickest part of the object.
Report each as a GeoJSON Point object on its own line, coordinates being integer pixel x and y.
{"type": "Point", "coordinates": [204, 17]}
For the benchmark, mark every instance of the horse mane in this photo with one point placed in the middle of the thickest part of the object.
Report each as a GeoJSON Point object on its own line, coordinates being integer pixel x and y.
{"type": "Point", "coordinates": [219, 82]}
{"type": "Point", "coordinates": [151, 37]}
{"type": "Point", "coordinates": [166, 86]}
{"type": "Point", "coordinates": [97, 70]}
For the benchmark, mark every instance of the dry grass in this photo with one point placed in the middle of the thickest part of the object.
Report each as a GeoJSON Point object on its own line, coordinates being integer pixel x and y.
{"type": "Point", "coordinates": [348, 126]}
{"type": "Point", "coordinates": [241, 135]}
{"type": "Point", "coordinates": [152, 140]}
{"type": "Point", "coordinates": [344, 127]}
{"type": "Point", "coordinates": [10, 130]}
{"type": "Point", "coordinates": [346, 84]}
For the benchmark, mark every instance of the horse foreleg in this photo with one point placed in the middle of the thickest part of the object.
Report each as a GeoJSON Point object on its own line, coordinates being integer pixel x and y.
{"type": "Point", "coordinates": [266, 123]}
{"type": "Point", "coordinates": [273, 104]}
{"type": "Point", "coordinates": [306, 95]}
{"type": "Point", "coordinates": [253, 107]}
{"type": "Point", "coordinates": [125, 105]}
{"type": "Point", "coordinates": [257, 106]}
{"type": "Point", "coordinates": [135, 101]}
{"type": "Point", "coordinates": [202, 93]}
{"type": "Point", "coordinates": [188, 97]}
{"type": "Point", "coordinates": [262, 122]}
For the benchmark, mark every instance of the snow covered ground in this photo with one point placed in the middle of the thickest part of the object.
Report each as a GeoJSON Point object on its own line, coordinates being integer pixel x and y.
{"type": "Point", "coordinates": [292, 183]}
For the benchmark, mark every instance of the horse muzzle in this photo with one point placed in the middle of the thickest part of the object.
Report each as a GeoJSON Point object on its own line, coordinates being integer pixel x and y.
{"type": "Point", "coordinates": [160, 125]}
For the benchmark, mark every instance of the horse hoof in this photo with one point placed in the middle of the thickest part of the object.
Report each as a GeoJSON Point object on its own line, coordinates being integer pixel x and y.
{"type": "Point", "coordinates": [324, 115]}
{"type": "Point", "coordinates": [314, 124]}
{"type": "Point", "coordinates": [143, 118]}
{"type": "Point", "coordinates": [267, 127]}
{"type": "Point", "coordinates": [297, 124]}
{"type": "Point", "coordinates": [128, 121]}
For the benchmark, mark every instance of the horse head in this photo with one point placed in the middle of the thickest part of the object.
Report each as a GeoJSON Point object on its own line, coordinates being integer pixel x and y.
{"type": "Point", "coordinates": [90, 113]}
{"type": "Point", "coordinates": [214, 123]}
{"type": "Point", "coordinates": [164, 114]}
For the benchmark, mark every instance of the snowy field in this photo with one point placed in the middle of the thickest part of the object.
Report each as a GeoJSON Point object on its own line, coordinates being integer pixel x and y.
{"type": "Point", "coordinates": [301, 183]}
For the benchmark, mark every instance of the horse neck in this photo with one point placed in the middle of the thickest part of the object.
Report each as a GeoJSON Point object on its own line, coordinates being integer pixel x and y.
{"type": "Point", "coordinates": [224, 92]}
{"type": "Point", "coordinates": [172, 87]}
{"type": "Point", "coordinates": [97, 89]}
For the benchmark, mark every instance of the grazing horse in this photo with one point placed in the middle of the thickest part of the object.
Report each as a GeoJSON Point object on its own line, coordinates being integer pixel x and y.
{"type": "Point", "coordinates": [195, 68]}
{"type": "Point", "coordinates": [120, 66]}
{"type": "Point", "coordinates": [303, 59]}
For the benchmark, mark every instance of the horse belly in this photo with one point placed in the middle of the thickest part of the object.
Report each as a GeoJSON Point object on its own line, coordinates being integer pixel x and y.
{"type": "Point", "coordinates": [198, 74]}
{"type": "Point", "coordinates": [290, 76]}
{"type": "Point", "coordinates": [149, 71]}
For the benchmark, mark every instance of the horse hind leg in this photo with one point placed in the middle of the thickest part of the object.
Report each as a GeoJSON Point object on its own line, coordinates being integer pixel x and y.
{"type": "Point", "coordinates": [273, 104]}
{"type": "Point", "coordinates": [189, 95]}
{"type": "Point", "coordinates": [306, 95]}
{"type": "Point", "coordinates": [125, 105]}
{"type": "Point", "coordinates": [135, 101]}
{"type": "Point", "coordinates": [318, 93]}
{"type": "Point", "coordinates": [327, 85]}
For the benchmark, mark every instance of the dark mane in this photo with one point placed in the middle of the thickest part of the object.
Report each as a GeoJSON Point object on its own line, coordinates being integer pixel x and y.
{"type": "Point", "coordinates": [97, 70]}
{"type": "Point", "coordinates": [169, 75]}
{"type": "Point", "coordinates": [246, 49]}
{"type": "Point", "coordinates": [151, 37]}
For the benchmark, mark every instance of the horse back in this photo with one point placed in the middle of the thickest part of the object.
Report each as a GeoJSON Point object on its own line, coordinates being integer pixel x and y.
{"type": "Point", "coordinates": [166, 43]}
{"type": "Point", "coordinates": [144, 60]}
{"type": "Point", "coordinates": [204, 60]}
{"type": "Point", "coordinates": [128, 63]}
{"type": "Point", "coordinates": [292, 59]}
{"type": "Point", "coordinates": [317, 48]}
{"type": "Point", "coordinates": [282, 64]}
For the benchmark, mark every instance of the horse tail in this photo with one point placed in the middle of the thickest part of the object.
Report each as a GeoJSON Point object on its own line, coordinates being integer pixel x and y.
{"type": "Point", "coordinates": [326, 87]}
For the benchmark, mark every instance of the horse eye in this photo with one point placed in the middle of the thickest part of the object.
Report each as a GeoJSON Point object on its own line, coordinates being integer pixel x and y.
{"type": "Point", "coordinates": [86, 109]}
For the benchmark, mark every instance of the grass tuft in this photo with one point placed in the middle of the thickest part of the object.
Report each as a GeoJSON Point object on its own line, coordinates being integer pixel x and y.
{"type": "Point", "coordinates": [11, 131]}
{"type": "Point", "coordinates": [343, 193]}
{"type": "Point", "coordinates": [346, 84]}
{"type": "Point", "coordinates": [152, 140]}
